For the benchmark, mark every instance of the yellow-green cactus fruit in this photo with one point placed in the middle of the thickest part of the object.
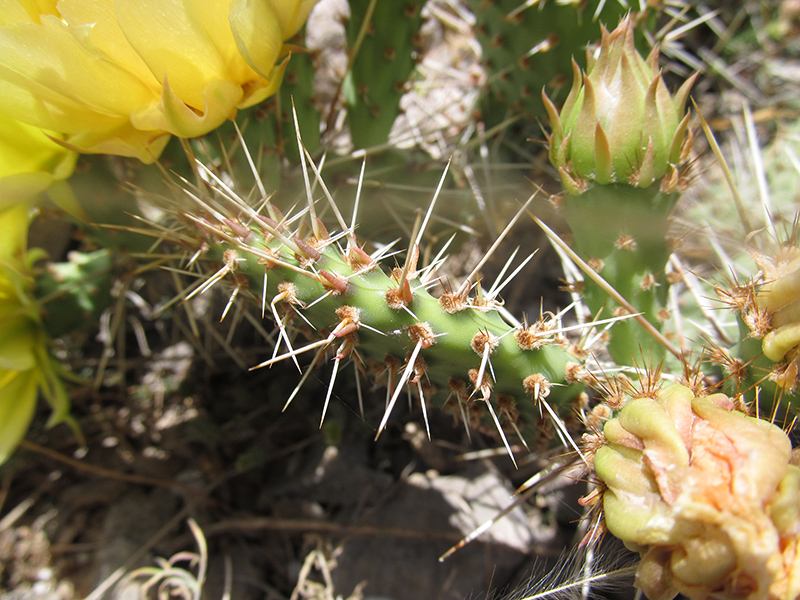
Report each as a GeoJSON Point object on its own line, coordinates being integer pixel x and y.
{"type": "Point", "coordinates": [619, 124]}
{"type": "Point", "coordinates": [706, 495]}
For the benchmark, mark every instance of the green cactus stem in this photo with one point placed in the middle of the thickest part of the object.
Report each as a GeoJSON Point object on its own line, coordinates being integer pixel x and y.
{"type": "Point", "coordinates": [386, 322]}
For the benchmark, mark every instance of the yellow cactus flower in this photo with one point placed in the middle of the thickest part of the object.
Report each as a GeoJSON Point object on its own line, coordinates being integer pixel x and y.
{"type": "Point", "coordinates": [25, 365]}
{"type": "Point", "coordinates": [708, 496]}
{"type": "Point", "coordinates": [120, 76]}
{"type": "Point", "coordinates": [30, 161]}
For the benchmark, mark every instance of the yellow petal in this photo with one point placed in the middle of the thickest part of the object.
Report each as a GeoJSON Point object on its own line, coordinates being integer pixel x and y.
{"type": "Point", "coordinates": [14, 240]}
{"type": "Point", "coordinates": [28, 149]}
{"type": "Point", "coordinates": [48, 79]}
{"type": "Point", "coordinates": [171, 38]}
{"type": "Point", "coordinates": [17, 338]}
{"type": "Point", "coordinates": [291, 14]}
{"type": "Point", "coordinates": [25, 11]}
{"type": "Point", "coordinates": [18, 391]}
{"type": "Point", "coordinates": [220, 99]}
{"type": "Point", "coordinates": [117, 76]}
{"type": "Point", "coordinates": [96, 22]}
{"type": "Point", "coordinates": [258, 32]}
{"type": "Point", "coordinates": [125, 140]}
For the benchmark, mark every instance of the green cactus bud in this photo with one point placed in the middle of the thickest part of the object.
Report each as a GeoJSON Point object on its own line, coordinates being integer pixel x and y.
{"type": "Point", "coordinates": [619, 123]}
{"type": "Point", "coordinates": [707, 496]}
{"type": "Point", "coordinates": [619, 132]}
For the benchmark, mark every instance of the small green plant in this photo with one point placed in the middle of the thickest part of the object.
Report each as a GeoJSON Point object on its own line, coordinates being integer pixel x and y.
{"type": "Point", "coordinates": [169, 579]}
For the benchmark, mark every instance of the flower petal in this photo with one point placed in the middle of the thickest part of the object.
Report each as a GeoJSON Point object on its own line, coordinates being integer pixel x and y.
{"type": "Point", "coordinates": [18, 391]}
{"type": "Point", "coordinates": [258, 32]}
{"type": "Point", "coordinates": [48, 79]}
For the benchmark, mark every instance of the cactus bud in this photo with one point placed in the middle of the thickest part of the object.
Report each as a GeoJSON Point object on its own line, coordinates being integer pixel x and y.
{"type": "Point", "coordinates": [706, 495]}
{"type": "Point", "coordinates": [619, 123]}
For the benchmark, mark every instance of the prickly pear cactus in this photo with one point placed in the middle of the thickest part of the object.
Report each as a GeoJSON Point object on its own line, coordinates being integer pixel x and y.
{"type": "Point", "coordinates": [382, 39]}
{"type": "Point", "coordinates": [706, 495]}
{"type": "Point", "coordinates": [621, 144]}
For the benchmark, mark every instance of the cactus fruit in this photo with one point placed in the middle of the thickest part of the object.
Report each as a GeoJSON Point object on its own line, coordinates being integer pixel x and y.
{"type": "Point", "coordinates": [706, 495]}
{"type": "Point", "coordinates": [621, 144]}
{"type": "Point", "coordinates": [382, 38]}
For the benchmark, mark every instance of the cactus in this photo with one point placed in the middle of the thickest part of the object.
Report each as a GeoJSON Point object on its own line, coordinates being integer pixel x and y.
{"type": "Point", "coordinates": [760, 365]}
{"type": "Point", "coordinates": [382, 38]}
{"type": "Point", "coordinates": [767, 355]}
{"type": "Point", "coordinates": [621, 144]}
{"type": "Point", "coordinates": [706, 495]}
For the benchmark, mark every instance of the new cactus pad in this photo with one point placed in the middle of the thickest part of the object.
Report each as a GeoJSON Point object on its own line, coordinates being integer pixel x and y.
{"type": "Point", "coordinates": [386, 322]}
